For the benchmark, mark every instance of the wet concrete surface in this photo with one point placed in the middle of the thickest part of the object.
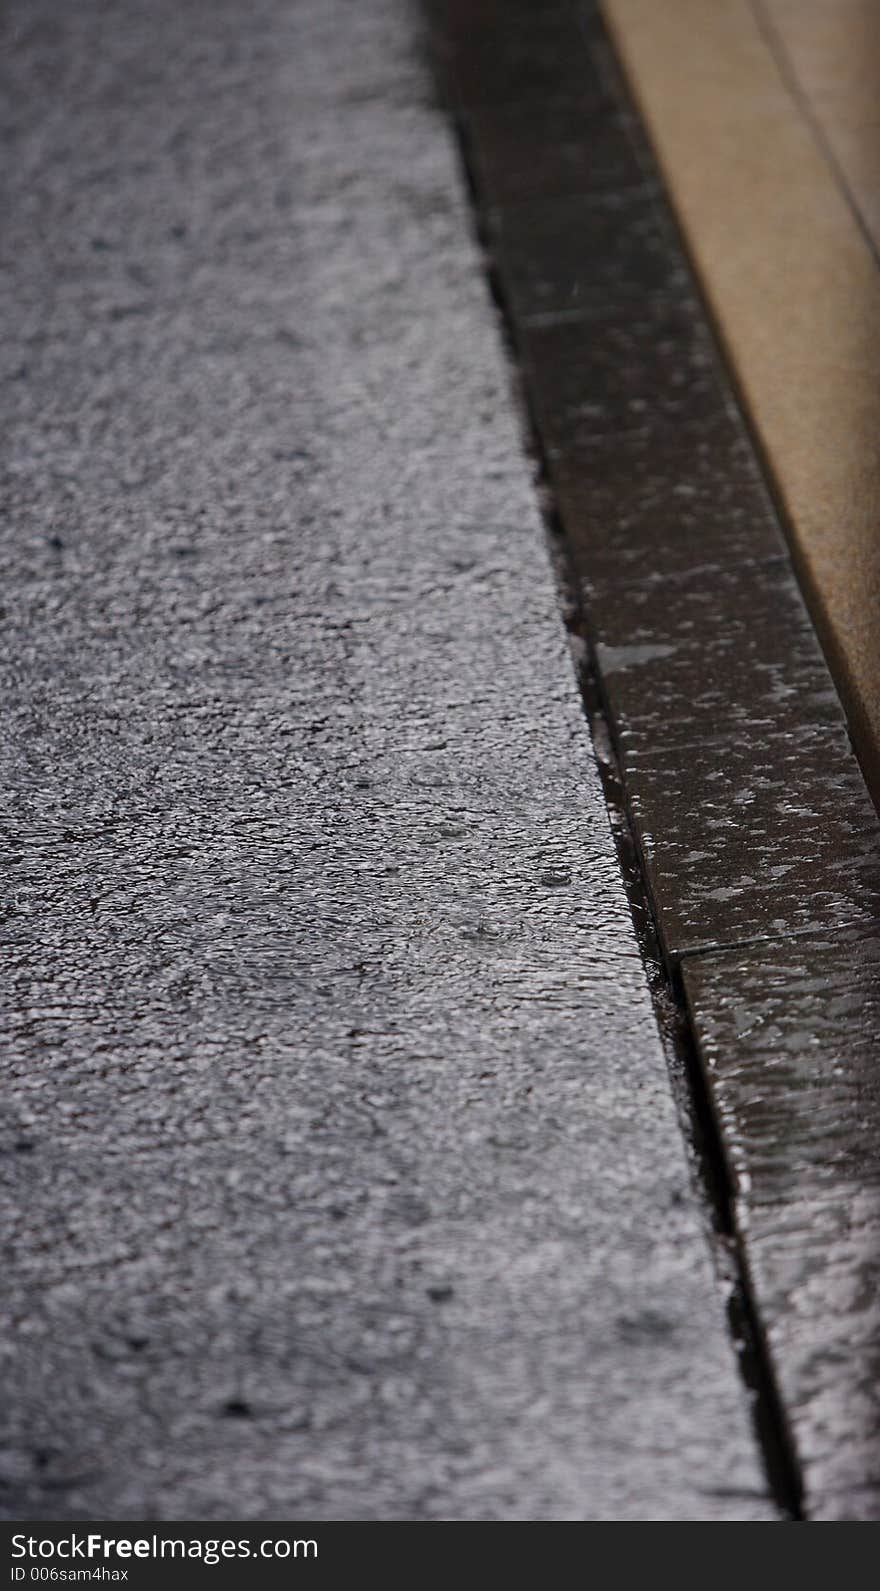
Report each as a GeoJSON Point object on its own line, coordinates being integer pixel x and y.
{"type": "Point", "coordinates": [788, 1034]}
{"type": "Point", "coordinates": [341, 1170]}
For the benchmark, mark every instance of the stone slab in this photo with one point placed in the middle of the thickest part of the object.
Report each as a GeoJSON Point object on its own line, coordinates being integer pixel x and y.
{"type": "Point", "coordinates": [714, 655]}
{"type": "Point", "coordinates": [652, 469]}
{"type": "Point", "coordinates": [750, 837]}
{"type": "Point", "coordinates": [788, 1038]}
{"type": "Point", "coordinates": [523, 57]}
{"type": "Point", "coordinates": [554, 146]}
{"type": "Point", "coordinates": [595, 253]}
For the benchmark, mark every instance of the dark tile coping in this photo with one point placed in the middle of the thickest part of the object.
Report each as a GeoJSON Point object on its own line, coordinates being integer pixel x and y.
{"type": "Point", "coordinates": [748, 836]}
{"type": "Point", "coordinates": [707, 655]}
{"type": "Point", "coordinates": [759, 843]}
{"type": "Point", "coordinates": [788, 1037]}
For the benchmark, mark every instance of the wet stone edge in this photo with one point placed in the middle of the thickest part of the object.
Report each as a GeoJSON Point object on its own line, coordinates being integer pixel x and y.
{"type": "Point", "coordinates": [598, 567]}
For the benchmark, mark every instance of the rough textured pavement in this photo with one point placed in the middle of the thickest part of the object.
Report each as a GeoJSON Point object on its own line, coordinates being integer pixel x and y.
{"type": "Point", "coordinates": [341, 1172]}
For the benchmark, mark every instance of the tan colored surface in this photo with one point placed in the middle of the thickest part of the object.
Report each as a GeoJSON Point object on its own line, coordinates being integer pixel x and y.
{"type": "Point", "coordinates": [831, 49]}
{"type": "Point", "coordinates": [831, 45]}
{"type": "Point", "coordinates": [757, 111]}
